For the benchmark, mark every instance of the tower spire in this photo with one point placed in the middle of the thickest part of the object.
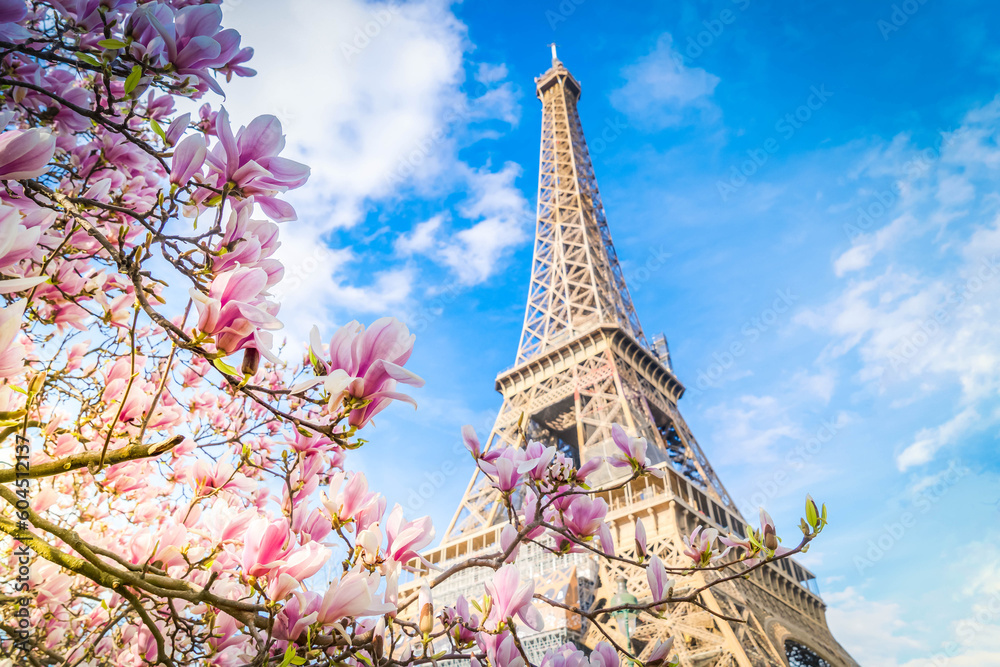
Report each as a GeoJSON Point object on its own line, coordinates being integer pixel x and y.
{"type": "Point", "coordinates": [576, 281]}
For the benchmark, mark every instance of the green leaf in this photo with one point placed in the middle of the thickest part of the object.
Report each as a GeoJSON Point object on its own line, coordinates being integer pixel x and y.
{"type": "Point", "coordinates": [811, 514]}
{"type": "Point", "coordinates": [111, 44]}
{"type": "Point", "coordinates": [133, 79]}
{"type": "Point", "coordinates": [156, 128]}
{"type": "Point", "coordinates": [289, 657]}
{"type": "Point", "coordinates": [224, 367]}
{"type": "Point", "coordinates": [89, 59]}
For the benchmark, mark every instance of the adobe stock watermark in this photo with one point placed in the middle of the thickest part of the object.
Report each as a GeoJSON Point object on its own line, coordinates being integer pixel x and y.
{"type": "Point", "coordinates": [697, 44]}
{"type": "Point", "coordinates": [786, 127]}
{"type": "Point", "coordinates": [424, 491]}
{"type": "Point", "coordinates": [413, 159]}
{"type": "Point", "coordinates": [612, 130]}
{"type": "Point", "coordinates": [907, 349]}
{"type": "Point", "coordinates": [968, 630]}
{"type": "Point", "coordinates": [899, 16]}
{"type": "Point", "coordinates": [304, 271]}
{"type": "Point", "coordinates": [769, 487]}
{"type": "Point", "coordinates": [923, 502]}
{"type": "Point", "coordinates": [433, 308]}
{"type": "Point", "coordinates": [562, 12]}
{"type": "Point", "coordinates": [371, 29]}
{"type": "Point", "coordinates": [884, 200]}
{"type": "Point", "coordinates": [750, 332]}
{"type": "Point", "coordinates": [636, 277]}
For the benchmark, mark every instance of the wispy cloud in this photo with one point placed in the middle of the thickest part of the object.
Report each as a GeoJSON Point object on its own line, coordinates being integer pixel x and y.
{"type": "Point", "coordinates": [661, 91]}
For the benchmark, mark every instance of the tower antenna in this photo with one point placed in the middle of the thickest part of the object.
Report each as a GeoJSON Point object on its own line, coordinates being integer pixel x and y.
{"type": "Point", "coordinates": [555, 59]}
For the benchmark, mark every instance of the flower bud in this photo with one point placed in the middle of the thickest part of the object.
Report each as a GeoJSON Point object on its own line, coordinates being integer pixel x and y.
{"type": "Point", "coordinates": [251, 361]}
{"type": "Point", "coordinates": [36, 383]}
{"type": "Point", "coordinates": [812, 511]}
{"type": "Point", "coordinates": [770, 539]}
{"type": "Point", "coordinates": [426, 622]}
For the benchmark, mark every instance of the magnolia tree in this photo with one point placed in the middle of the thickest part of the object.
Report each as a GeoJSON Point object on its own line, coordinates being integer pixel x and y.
{"type": "Point", "coordinates": [172, 490]}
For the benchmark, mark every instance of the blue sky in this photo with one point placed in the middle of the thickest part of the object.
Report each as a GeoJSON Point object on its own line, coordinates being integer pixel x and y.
{"type": "Point", "coordinates": [840, 158]}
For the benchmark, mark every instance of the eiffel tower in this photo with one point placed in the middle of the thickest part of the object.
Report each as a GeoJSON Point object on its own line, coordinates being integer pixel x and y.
{"type": "Point", "coordinates": [584, 364]}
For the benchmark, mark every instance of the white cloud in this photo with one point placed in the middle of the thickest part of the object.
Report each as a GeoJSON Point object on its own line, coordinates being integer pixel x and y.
{"type": "Point", "coordinates": [749, 429]}
{"type": "Point", "coordinates": [930, 440]}
{"type": "Point", "coordinates": [503, 218]}
{"type": "Point", "coordinates": [868, 628]}
{"type": "Point", "coordinates": [865, 249]}
{"type": "Point", "coordinates": [370, 96]}
{"type": "Point", "coordinates": [421, 239]}
{"type": "Point", "coordinates": [921, 307]}
{"type": "Point", "coordinates": [475, 253]}
{"type": "Point", "coordinates": [661, 91]}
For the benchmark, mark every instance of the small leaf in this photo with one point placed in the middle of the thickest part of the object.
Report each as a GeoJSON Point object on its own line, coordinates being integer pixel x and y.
{"type": "Point", "coordinates": [156, 128]}
{"type": "Point", "coordinates": [111, 44]}
{"type": "Point", "coordinates": [224, 367]}
{"type": "Point", "coordinates": [133, 79]}
{"type": "Point", "coordinates": [289, 656]}
{"type": "Point", "coordinates": [89, 59]}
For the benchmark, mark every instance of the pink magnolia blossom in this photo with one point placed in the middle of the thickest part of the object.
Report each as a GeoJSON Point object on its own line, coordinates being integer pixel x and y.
{"type": "Point", "coordinates": [500, 649]}
{"type": "Point", "coordinates": [189, 156]}
{"type": "Point", "coordinates": [471, 441]}
{"type": "Point", "coordinates": [226, 522]}
{"type": "Point", "coordinates": [529, 512]}
{"type": "Point", "coordinates": [234, 310]}
{"type": "Point", "coordinates": [511, 598]}
{"type": "Point", "coordinates": [590, 466]}
{"type": "Point", "coordinates": [700, 546]}
{"type": "Point", "coordinates": [298, 614]}
{"type": "Point", "coordinates": [207, 476]}
{"type": "Point", "coordinates": [11, 352]}
{"type": "Point", "coordinates": [659, 583]}
{"type": "Point", "coordinates": [461, 618]}
{"type": "Point", "coordinates": [17, 242]}
{"type": "Point", "coordinates": [583, 518]}
{"type": "Point", "coordinates": [567, 655]}
{"type": "Point", "coordinates": [227, 637]}
{"type": "Point", "coordinates": [347, 504]}
{"type": "Point", "coordinates": [404, 538]}
{"type": "Point", "coordinates": [631, 452]}
{"type": "Point", "coordinates": [604, 655]}
{"type": "Point", "coordinates": [249, 163]}
{"type": "Point", "coordinates": [505, 468]}
{"type": "Point", "coordinates": [25, 153]}
{"type": "Point", "coordinates": [189, 39]}
{"type": "Point", "coordinates": [537, 458]}
{"type": "Point", "coordinates": [508, 539]}
{"type": "Point", "coordinates": [265, 545]}
{"type": "Point", "coordinates": [305, 561]}
{"type": "Point", "coordinates": [249, 243]}
{"type": "Point", "coordinates": [640, 539]}
{"type": "Point", "coordinates": [353, 595]}
{"type": "Point", "coordinates": [658, 656]}
{"type": "Point", "coordinates": [12, 12]}
{"type": "Point", "coordinates": [607, 541]}
{"type": "Point", "coordinates": [365, 364]}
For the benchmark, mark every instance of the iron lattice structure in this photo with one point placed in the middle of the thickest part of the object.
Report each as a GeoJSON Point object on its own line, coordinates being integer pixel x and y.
{"type": "Point", "coordinates": [583, 364]}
